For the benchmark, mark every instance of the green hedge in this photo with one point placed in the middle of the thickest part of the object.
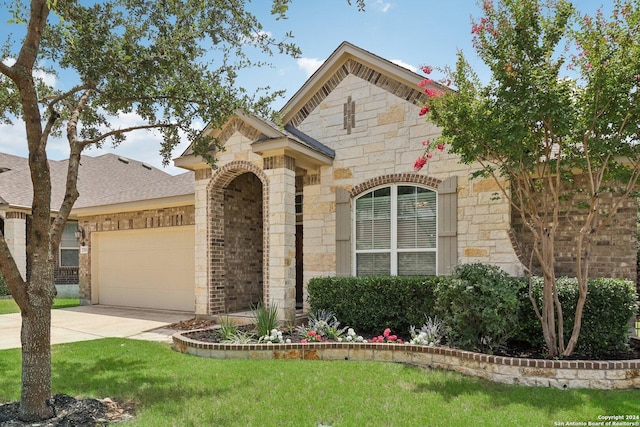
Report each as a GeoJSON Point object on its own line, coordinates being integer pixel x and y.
{"type": "Point", "coordinates": [481, 306]}
{"type": "Point", "coordinates": [610, 304]}
{"type": "Point", "coordinates": [371, 304]}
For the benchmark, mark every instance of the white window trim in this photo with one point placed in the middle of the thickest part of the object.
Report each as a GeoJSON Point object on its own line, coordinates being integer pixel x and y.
{"type": "Point", "coordinates": [394, 230]}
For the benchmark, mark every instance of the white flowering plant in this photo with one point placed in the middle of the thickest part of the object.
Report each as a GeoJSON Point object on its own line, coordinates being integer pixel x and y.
{"type": "Point", "coordinates": [431, 333]}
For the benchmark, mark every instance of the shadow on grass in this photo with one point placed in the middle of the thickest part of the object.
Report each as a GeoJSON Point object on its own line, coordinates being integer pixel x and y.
{"type": "Point", "coordinates": [551, 401]}
{"type": "Point", "coordinates": [126, 369]}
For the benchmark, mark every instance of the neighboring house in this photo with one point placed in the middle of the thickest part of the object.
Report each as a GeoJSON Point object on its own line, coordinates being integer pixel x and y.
{"type": "Point", "coordinates": [117, 195]}
{"type": "Point", "coordinates": [329, 191]}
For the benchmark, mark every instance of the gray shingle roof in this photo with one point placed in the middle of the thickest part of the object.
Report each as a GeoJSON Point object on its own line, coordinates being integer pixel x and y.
{"type": "Point", "coordinates": [102, 180]}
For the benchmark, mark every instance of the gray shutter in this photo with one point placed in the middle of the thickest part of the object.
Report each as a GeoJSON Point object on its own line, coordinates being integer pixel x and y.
{"type": "Point", "coordinates": [343, 233]}
{"type": "Point", "coordinates": [447, 225]}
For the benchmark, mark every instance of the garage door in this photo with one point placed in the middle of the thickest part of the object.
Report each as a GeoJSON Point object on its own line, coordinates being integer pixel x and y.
{"type": "Point", "coordinates": [151, 268]}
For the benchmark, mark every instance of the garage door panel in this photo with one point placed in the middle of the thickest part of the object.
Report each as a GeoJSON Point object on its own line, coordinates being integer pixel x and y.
{"type": "Point", "coordinates": [151, 268]}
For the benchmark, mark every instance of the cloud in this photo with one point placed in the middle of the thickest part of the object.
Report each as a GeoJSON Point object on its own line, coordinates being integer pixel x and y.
{"type": "Point", "coordinates": [382, 6]}
{"type": "Point", "coordinates": [257, 38]}
{"type": "Point", "coordinates": [405, 65]}
{"type": "Point", "coordinates": [48, 78]}
{"type": "Point", "coordinates": [309, 65]}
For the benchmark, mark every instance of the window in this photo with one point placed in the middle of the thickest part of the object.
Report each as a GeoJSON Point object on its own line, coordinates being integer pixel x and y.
{"type": "Point", "coordinates": [69, 246]}
{"type": "Point", "coordinates": [395, 231]}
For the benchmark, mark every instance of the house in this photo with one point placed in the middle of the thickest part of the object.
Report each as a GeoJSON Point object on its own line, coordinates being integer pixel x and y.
{"type": "Point", "coordinates": [117, 195]}
{"type": "Point", "coordinates": [328, 191]}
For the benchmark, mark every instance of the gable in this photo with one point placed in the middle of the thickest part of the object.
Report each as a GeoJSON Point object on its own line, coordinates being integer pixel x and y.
{"type": "Point", "coordinates": [349, 60]}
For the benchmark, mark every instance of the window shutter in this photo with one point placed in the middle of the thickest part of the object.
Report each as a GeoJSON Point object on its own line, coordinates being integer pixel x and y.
{"type": "Point", "coordinates": [343, 233]}
{"type": "Point", "coordinates": [447, 225]}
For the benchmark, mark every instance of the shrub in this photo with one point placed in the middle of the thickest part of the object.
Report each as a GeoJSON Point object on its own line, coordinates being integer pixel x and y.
{"type": "Point", "coordinates": [265, 318]}
{"type": "Point", "coordinates": [610, 304]}
{"type": "Point", "coordinates": [372, 304]}
{"type": "Point", "coordinates": [480, 306]}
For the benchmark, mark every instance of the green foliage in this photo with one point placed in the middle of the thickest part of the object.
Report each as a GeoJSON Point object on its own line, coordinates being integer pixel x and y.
{"type": "Point", "coordinates": [4, 290]}
{"type": "Point", "coordinates": [563, 101]}
{"type": "Point", "coordinates": [227, 328]}
{"type": "Point", "coordinates": [266, 318]}
{"type": "Point", "coordinates": [612, 303]}
{"type": "Point", "coordinates": [371, 304]}
{"type": "Point", "coordinates": [479, 306]}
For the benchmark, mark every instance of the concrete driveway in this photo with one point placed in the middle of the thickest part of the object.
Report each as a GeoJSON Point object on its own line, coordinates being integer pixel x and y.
{"type": "Point", "coordinates": [92, 322]}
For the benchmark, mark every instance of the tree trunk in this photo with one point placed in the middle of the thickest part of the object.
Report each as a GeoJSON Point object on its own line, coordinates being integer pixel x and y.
{"type": "Point", "coordinates": [36, 364]}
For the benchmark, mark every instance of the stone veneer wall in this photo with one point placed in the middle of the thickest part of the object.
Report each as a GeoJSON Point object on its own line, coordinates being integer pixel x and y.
{"type": "Point", "coordinates": [150, 218]}
{"type": "Point", "coordinates": [385, 141]}
{"type": "Point", "coordinates": [243, 239]}
{"type": "Point", "coordinates": [623, 374]}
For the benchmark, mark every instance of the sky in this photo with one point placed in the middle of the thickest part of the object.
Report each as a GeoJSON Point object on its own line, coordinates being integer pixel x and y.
{"type": "Point", "coordinates": [407, 32]}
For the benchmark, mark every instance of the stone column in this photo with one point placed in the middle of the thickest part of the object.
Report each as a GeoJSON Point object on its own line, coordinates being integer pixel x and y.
{"type": "Point", "coordinates": [15, 234]}
{"type": "Point", "coordinates": [281, 278]}
{"type": "Point", "coordinates": [203, 176]}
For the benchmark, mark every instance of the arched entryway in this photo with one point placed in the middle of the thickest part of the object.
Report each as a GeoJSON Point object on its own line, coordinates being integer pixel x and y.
{"type": "Point", "coordinates": [243, 243]}
{"type": "Point", "coordinates": [236, 231]}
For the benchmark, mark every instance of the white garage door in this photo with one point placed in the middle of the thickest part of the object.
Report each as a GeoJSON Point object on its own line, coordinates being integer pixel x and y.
{"type": "Point", "coordinates": [150, 268]}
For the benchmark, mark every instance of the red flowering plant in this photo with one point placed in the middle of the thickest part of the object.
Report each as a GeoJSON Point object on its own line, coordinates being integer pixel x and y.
{"type": "Point", "coordinates": [537, 129]}
{"type": "Point", "coordinates": [387, 337]}
{"type": "Point", "coordinates": [432, 91]}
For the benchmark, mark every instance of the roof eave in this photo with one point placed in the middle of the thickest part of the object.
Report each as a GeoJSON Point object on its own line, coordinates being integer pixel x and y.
{"type": "Point", "coordinates": [305, 156]}
{"type": "Point", "coordinates": [137, 205]}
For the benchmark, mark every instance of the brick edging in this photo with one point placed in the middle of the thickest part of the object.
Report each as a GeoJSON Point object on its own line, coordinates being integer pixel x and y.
{"type": "Point", "coordinates": [616, 374]}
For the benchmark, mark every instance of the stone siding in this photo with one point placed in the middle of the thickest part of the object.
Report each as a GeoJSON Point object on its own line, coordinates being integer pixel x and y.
{"type": "Point", "coordinates": [385, 141]}
{"type": "Point", "coordinates": [606, 375]}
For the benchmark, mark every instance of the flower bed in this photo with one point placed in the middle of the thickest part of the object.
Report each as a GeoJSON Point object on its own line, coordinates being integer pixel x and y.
{"type": "Point", "coordinates": [619, 374]}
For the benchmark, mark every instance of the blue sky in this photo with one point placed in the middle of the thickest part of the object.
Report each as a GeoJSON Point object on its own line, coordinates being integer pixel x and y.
{"type": "Point", "coordinates": [407, 32]}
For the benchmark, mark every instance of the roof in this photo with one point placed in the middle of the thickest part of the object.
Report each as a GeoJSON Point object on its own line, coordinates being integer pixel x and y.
{"type": "Point", "coordinates": [102, 180]}
{"type": "Point", "coordinates": [346, 59]}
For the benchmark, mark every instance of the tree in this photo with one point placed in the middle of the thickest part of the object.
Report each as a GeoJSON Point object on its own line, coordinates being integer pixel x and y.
{"type": "Point", "coordinates": [170, 62]}
{"type": "Point", "coordinates": [558, 123]}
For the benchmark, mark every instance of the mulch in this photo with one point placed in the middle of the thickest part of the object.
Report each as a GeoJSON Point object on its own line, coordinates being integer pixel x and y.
{"type": "Point", "coordinates": [70, 411]}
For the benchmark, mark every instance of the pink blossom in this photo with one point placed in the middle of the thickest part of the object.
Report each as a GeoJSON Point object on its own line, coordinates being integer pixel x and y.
{"type": "Point", "coordinates": [424, 110]}
{"type": "Point", "coordinates": [427, 69]}
{"type": "Point", "coordinates": [440, 147]}
{"type": "Point", "coordinates": [386, 332]}
{"type": "Point", "coordinates": [400, 341]}
{"type": "Point", "coordinates": [380, 338]}
{"type": "Point", "coordinates": [432, 93]}
{"type": "Point", "coordinates": [428, 155]}
{"type": "Point", "coordinates": [419, 163]}
{"type": "Point", "coordinates": [311, 333]}
{"type": "Point", "coordinates": [392, 337]}
{"type": "Point", "coordinates": [303, 341]}
{"type": "Point", "coordinates": [426, 143]}
{"type": "Point", "coordinates": [425, 82]}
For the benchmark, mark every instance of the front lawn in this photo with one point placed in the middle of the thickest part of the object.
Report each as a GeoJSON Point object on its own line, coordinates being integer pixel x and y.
{"type": "Point", "coordinates": [8, 306]}
{"type": "Point", "coordinates": [175, 389]}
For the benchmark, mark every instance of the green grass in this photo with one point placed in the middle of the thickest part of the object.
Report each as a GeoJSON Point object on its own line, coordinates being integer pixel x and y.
{"type": "Point", "coordinates": [8, 306]}
{"type": "Point", "coordinates": [172, 389]}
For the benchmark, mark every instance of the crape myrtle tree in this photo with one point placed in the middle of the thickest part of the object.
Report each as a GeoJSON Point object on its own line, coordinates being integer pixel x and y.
{"type": "Point", "coordinates": [170, 62]}
{"type": "Point", "coordinates": [556, 127]}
